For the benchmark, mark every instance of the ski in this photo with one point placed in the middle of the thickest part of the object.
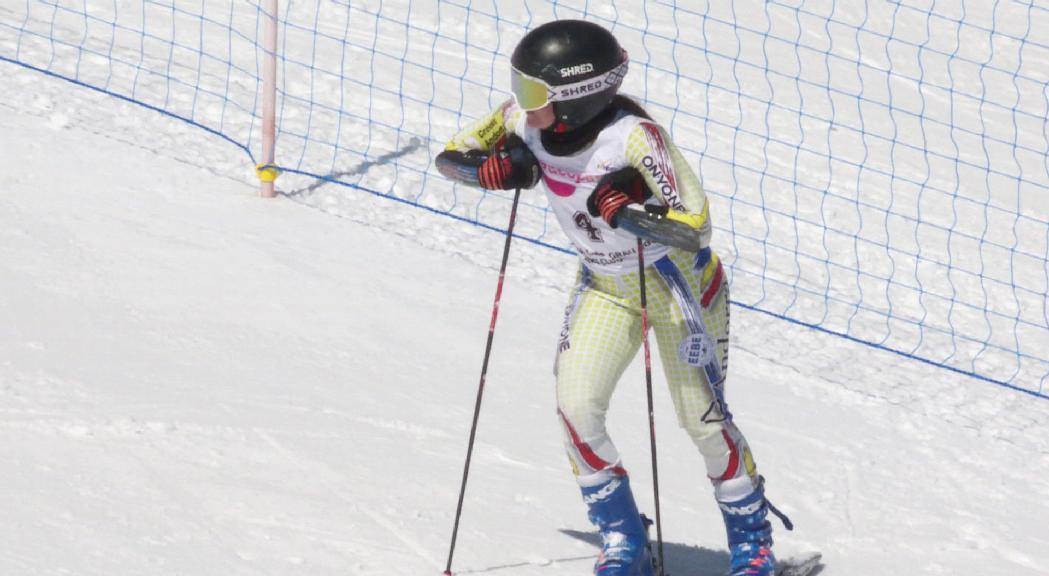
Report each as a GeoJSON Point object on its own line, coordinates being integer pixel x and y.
{"type": "Point", "coordinates": [799, 565]}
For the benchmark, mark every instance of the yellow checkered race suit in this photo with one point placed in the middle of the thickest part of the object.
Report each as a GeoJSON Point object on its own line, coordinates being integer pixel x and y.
{"type": "Point", "coordinates": [687, 296]}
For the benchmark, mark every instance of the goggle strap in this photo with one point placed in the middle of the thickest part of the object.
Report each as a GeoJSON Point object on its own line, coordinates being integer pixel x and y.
{"type": "Point", "coordinates": [583, 88]}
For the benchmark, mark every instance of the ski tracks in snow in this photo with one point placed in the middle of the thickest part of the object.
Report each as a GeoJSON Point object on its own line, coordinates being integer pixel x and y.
{"type": "Point", "coordinates": [331, 480]}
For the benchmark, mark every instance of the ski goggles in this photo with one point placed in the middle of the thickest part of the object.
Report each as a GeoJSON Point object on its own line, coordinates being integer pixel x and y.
{"type": "Point", "coordinates": [533, 93]}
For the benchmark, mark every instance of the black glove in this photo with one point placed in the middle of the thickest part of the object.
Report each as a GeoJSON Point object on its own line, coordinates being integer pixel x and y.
{"type": "Point", "coordinates": [510, 165]}
{"type": "Point", "coordinates": [614, 191]}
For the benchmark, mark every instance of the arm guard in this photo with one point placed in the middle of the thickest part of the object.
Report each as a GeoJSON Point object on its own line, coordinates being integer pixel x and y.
{"type": "Point", "coordinates": [659, 224]}
{"type": "Point", "coordinates": [460, 166]}
{"type": "Point", "coordinates": [508, 165]}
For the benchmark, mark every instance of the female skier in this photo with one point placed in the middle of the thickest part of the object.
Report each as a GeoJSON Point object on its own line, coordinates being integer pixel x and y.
{"type": "Point", "coordinates": [597, 152]}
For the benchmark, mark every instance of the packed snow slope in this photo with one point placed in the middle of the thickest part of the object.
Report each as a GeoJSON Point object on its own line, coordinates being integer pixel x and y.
{"type": "Point", "coordinates": [196, 381]}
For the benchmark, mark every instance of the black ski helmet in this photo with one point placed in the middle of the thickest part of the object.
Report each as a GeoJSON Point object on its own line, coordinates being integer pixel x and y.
{"type": "Point", "coordinates": [580, 63]}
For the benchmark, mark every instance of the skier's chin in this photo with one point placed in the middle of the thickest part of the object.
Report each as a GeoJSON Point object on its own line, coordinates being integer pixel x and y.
{"type": "Point", "coordinates": [541, 119]}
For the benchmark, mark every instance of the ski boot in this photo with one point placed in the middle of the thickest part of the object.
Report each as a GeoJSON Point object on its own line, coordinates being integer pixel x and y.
{"type": "Point", "coordinates": [749, 535]}
{"type": "Point", "coordinates": [624, 537]}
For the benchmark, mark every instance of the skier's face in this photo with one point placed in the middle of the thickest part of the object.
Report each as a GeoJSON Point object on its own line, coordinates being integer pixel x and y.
{"type": "Point", "coordinates": [542, 118]}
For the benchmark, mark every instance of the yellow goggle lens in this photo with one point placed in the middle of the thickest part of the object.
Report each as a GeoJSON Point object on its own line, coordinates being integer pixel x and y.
{"type": "Point", "coordinates": [530, 93]}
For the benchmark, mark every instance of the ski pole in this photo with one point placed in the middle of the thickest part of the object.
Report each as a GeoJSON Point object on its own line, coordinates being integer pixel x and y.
{"type": "Point", "coordinates": [484, 372]}
{"type": "Point", "coordinates": [648, 388]}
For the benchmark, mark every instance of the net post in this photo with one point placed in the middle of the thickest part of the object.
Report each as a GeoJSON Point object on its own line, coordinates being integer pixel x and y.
{"type": "Point", "coordinates": [266, 169]}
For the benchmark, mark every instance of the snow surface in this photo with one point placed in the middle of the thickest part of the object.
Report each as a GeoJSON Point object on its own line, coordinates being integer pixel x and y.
{"type": "Point", "coordinates": [196, 381]}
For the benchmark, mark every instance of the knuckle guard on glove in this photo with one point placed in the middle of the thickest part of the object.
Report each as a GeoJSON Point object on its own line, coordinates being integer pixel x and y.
{"type": "Point", "coordinates": [510, 165]}
{"type": "Point", "coordinates": [614, 191]}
